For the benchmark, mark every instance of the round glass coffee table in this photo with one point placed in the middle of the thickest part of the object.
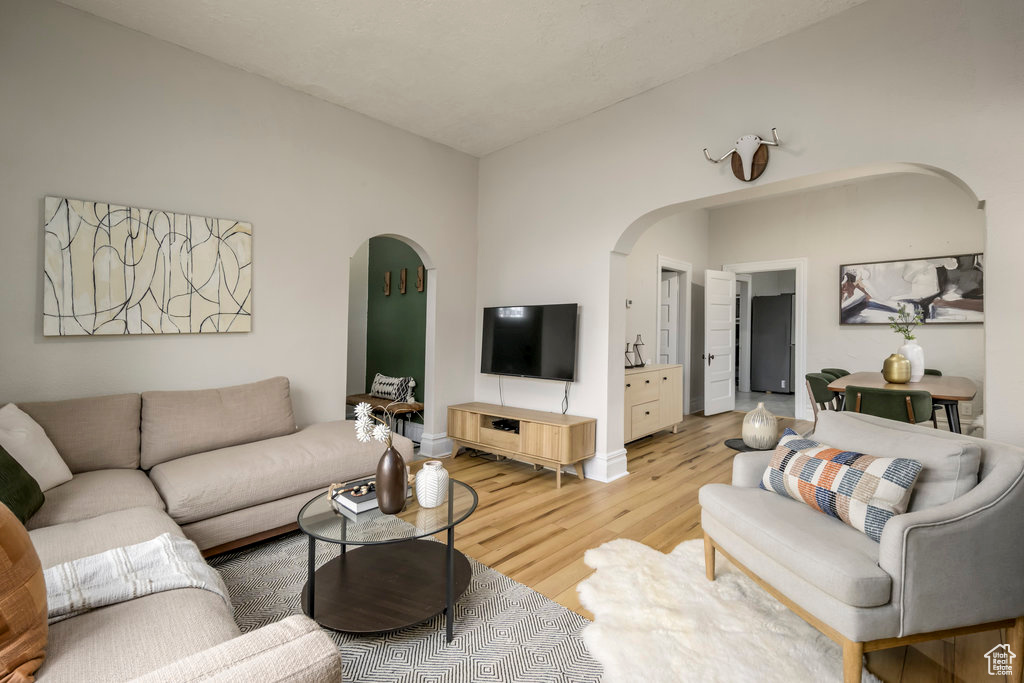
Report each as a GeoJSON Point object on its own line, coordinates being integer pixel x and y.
{"type": "Point", "coordinates": [395, 578]}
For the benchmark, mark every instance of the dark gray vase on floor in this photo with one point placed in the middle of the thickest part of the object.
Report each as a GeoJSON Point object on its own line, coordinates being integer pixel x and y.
{"type": "Point", "coordinates": [392, 482]}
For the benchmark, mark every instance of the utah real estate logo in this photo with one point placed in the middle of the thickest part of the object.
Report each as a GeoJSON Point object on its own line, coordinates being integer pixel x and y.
{"type": "Point", "coordinates": [1000, 660]}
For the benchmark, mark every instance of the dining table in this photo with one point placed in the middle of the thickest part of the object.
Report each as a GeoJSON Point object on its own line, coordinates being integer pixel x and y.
{"type": "Point", "coordinates": [946, 390]}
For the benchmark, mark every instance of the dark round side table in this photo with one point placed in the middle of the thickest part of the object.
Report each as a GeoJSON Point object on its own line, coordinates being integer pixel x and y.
{"type": "Point", "coordinates": [395, 578]}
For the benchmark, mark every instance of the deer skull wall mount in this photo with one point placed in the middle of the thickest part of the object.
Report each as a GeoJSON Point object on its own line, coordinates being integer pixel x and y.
{"type": "Point", "coordinates": [749, 156]}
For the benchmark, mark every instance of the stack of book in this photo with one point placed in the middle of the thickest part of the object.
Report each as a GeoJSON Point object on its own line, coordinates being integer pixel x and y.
{"type": "Point", "coordinates": [355, 496]}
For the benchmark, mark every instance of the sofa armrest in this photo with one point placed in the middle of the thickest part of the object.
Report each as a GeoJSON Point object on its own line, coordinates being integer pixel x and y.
{"type": "Point", "coordinates": [748, 468]}
{"type": "Point", "coordinates": [293, 649]}
{"type": "Point", "coordinates": [958, 564]}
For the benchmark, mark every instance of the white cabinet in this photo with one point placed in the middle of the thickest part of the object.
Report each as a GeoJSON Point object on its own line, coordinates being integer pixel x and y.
{"type": "Point", "coordinates": [654, 400]}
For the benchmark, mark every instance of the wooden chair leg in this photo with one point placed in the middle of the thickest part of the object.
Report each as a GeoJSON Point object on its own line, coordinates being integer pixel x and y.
{"type": "Point", "coordinates": [910, 411]}
{"type": "Point", "coordinates": [853, 661]}
{"type": "Point", "coordinates": [709, 557]}
{"type": "Point", "coordinates": [1016, 638]}
{"type": "Point", "coordinates": [856, 408]}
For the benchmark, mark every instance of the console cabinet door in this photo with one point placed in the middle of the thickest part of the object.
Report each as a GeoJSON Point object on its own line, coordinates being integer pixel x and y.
{"type": "Point", "coordinates": [463, 425]}
{"type": "Point", "coordinates": [670, 382]}
{"type": "Point", "coordinates": [544, 441]}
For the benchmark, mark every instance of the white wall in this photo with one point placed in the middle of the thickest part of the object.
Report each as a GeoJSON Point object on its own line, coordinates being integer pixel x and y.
{"type": "Point", "coordinates": [876, 220]}
{"type": "Point", "coordinates": [935, 83]}
{"type": "Point", "coordinates": [772, 282]}
{"type": "Point", "coordinates": [96, 111]}
{"type": "Point", "coordinates": [683, 237]}
{"type": "Point", "coordinates": [358, 284]}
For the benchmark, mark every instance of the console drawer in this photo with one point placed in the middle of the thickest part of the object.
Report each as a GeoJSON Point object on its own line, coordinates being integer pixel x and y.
{"type": "Point", "coordinates": [499, 439]}
{"type": "Point", "coordinates": [642, 387]}
{"type": "Point", "coordinates": [646, 418]}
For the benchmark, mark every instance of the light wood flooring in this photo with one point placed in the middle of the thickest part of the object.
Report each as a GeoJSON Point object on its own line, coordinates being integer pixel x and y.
{"type": "Point", "coordinates": [537, 535]}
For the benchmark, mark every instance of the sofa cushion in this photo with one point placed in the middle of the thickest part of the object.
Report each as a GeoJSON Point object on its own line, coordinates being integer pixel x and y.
{"type": "Point", "coordinates": [862, 490]}
{"type": "Point", "coordinates": [213, 483]}
{"type": "Point", "coordinates": [949, 466]}
{"type": "Point", "coordinates": [27, 443]}
{"type": "Point", "coordinates": [96, 433]}
{"type": "Point", "coordinates": [22, 602]}
{"type": "Point", "coordinates": [294, 649]}
{"type": "Point", "coordinates": [75, 540]}
{"type": "Point", "coordinates": [126, 640]}
{"type": "Point", "coordinates": [179, 423]}
{"type": "Point", "coordinates": [18, 490]}
{"type": "Point", "coordinates": [90, 494]}
{"type": "Point", "coordinates": [837, 559]}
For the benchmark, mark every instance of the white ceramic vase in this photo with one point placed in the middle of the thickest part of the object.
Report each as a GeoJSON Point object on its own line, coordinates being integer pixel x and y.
{"type": "Point", "coordinates": [913, 352]}
{"type": "Point", "coordinates": [432, 484]}
{"type": "Point", "coordinates": [760, 429]}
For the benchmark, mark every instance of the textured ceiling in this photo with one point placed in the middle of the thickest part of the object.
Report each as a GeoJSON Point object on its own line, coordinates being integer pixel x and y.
{"type": "Point", "coordinates": [477, 75]}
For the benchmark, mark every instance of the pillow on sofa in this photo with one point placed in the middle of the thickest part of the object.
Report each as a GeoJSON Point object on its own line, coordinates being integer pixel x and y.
{"type": "Point", "coordinates": [393, 388]}
{"type": "Point", "coordinates": [18, 490]}
{"type": "Point", "coordinates": [180, 423]}
{"type": "Point", "coordinates": [23, 627]}
{"type": "Point", "coordinates": [949, 462]}
{"type": "Point", "coordinates": [28, 444]}
{"type": "Point", "coordinates": [862, 490]}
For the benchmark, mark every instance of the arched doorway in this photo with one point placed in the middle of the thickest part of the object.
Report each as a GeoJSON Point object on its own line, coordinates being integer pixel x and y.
{"type": "Point", "coordinates": [631, 236]}
{"type": "Point", "coordinates": [391, 324]}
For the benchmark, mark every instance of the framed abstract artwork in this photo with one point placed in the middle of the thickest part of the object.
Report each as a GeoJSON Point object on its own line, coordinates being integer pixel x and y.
{"type": "Point", "coordinates": [120, 270]}
{"type": "Point", "coordinates": [944, 289]}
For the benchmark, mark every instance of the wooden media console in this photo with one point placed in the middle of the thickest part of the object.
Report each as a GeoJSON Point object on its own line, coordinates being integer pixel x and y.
{"type": "Point", "coordinates": [536, 437]}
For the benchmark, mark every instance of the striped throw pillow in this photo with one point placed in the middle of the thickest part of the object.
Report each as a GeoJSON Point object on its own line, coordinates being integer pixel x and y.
{"type": "Point", "coordinates": [861, 490]}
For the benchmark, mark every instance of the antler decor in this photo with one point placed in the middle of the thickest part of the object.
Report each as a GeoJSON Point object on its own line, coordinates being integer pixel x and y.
{"type": "Point", "coordinates": [749, 156]}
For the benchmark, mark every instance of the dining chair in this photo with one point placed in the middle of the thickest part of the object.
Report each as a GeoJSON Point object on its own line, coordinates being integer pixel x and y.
{"type": "Point", "coordinates": [937, 404]}
{"type": "Point", "coordinates": [911, 406]}
{"type": "Point", "coordinates": [822, 398]}
{"type": "Point", "coordinates": [834, 374]}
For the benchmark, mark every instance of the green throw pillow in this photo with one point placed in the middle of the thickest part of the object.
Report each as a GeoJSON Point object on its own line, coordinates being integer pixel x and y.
{"type": "Point", "coordinates": [18, 490]}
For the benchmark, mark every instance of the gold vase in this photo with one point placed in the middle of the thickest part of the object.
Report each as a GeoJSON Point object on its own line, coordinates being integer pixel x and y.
{"type": "Point", "coordinates": [896, 369]}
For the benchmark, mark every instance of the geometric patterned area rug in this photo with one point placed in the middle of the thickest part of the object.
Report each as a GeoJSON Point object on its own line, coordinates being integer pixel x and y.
{"type": "Point", "coordinates": [504, 631]}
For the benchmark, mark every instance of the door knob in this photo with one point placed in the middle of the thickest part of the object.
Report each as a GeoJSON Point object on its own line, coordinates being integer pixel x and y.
{"type": "Point", "coordinates": [711, 357]}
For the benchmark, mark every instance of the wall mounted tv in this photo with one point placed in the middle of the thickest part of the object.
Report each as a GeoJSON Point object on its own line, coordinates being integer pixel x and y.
{"type": "Point", "coordinates": [530, 341]}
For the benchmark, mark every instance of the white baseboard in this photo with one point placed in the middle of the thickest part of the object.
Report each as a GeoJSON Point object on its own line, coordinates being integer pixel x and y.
{"type": "Point", "coordinates": [606, 467]}
{"type": "Point", "coordinates": [435, 445]}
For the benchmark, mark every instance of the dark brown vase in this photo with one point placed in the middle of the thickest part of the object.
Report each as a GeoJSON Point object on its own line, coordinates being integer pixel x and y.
{"type": "Point", "coordinates": [392, 482]}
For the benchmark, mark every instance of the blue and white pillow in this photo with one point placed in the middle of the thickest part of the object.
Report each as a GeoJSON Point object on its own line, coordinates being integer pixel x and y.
{"type": "Point", "coordinates": [862, 490]}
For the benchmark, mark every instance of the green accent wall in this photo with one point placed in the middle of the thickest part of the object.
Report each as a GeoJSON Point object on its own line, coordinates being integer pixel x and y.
{"type": "Point", "coordinates": [396, 325]}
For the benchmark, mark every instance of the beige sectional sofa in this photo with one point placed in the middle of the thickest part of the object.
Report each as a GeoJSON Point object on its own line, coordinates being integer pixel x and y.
{"type": "Point", "coordinates": [218, 466]}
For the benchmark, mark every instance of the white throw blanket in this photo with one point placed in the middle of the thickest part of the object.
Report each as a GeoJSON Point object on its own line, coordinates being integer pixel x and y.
{"type": "Point", "coordinates": [164, 563]}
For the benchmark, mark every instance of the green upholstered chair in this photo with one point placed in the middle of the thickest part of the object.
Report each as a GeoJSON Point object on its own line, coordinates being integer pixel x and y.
{"type": "Point", "coordinates": [835, 372]}
{"type": "Point", "coordinates": [933, 371]}
{"type": "Point", "coordinates": [892, 404]}
{"type": "Point", "coordinates": [817, 388]}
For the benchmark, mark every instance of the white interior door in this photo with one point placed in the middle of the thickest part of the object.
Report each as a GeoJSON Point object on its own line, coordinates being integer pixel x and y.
{"type": "Point", "coordinates": [668, 318]}
{"type": "Point", "coordinates": [719, 341]}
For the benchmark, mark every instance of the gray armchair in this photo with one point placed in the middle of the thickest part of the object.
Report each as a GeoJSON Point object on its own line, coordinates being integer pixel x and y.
{"type": "Point", "coordinates": [951, 565]}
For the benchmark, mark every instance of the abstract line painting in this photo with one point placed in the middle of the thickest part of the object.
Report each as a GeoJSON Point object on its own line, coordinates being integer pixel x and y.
{"type": "Point", "coordinates": [947, 289]}
{"type": "Point", "coordinates": [110, 270]}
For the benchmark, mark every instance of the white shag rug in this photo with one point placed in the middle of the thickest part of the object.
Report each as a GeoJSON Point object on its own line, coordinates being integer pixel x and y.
{"type": "Point", "coordinates": [658, 618]}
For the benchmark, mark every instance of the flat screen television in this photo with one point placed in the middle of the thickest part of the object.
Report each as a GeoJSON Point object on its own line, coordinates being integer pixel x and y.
{"type": "Point", "coordinates": [530, 341]}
